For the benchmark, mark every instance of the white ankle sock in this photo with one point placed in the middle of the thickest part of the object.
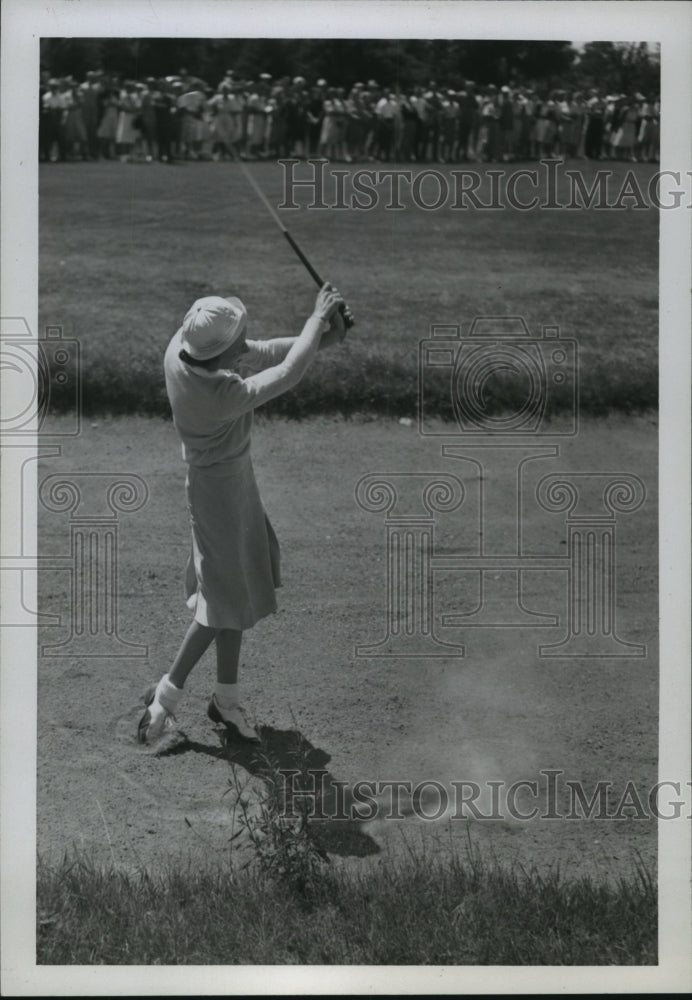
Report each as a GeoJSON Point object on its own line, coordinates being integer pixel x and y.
{"type": "Point", "coordinates": [167, 694]}
{"type": "Point", "coordinates": [227, 695]}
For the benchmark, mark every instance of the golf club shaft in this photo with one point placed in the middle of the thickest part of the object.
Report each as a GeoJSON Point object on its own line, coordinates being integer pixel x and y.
{"type": "Point", "coordinates": [298, 252]}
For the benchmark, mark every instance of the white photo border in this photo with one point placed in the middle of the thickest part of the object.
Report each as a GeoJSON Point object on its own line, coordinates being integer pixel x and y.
{"type": "Point", "coordinates": [24, 22]}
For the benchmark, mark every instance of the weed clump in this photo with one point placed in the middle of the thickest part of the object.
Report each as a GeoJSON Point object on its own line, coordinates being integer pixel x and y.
{"type": "Point", "coordinates": [277, 829]}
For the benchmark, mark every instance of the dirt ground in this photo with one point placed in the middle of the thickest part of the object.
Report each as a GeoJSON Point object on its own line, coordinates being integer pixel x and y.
{"type": "Point", "coordinates": [501, 713]}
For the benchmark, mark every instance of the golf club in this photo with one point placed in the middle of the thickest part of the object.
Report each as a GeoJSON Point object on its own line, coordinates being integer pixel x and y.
{"type": "Point", "coordinates": [348, 321]}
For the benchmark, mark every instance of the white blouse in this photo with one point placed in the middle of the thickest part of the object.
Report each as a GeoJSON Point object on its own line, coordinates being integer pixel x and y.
{"type": "Point", "coordinates": [213, 410]}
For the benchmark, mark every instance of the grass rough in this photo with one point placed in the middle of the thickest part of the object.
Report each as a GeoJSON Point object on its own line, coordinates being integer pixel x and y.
{"type": "Point", "coordinates": [126, 248]}
{"type": "Point", "coordinates": [418, 911]}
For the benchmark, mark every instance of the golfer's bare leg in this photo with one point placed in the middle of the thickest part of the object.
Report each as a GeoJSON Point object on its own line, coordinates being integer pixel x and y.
{"type": "Point", "coordinates": [197, 640]}
{"type": "Point", "coordinates": [225, 706]}
{"type": "Point", "coordinates": [228, 642]}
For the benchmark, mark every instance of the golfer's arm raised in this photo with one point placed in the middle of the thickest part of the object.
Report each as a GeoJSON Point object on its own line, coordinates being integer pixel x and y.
{"type": "Point", "coordinates": [280, 346]}
{"type": "Point", "coordinates": [307, 344]}
{"type": "Point", "coordinates": [248, 393]}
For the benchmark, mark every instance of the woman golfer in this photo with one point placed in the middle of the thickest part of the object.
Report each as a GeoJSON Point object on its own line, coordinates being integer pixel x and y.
{"type": "Point", "coordinates": [233, 568]}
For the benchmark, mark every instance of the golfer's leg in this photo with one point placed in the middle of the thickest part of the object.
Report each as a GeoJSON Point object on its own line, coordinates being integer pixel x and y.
{"type": "Point", "coordinates": [228, 642]}
{"type": "Point", "coordinates": [197, 640]}
{"type": "Point", "coordinates": [168, 692]}
{"type": "Point", "coordinates": [225, 705]}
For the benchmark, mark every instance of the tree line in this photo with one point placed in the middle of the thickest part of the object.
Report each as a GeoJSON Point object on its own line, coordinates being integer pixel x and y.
{"type": "Point", "coordinates": [617, 67]}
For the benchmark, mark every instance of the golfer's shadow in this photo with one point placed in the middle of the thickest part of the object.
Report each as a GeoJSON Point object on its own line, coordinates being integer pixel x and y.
{"type": "Point", "coordinates": [333, 825]}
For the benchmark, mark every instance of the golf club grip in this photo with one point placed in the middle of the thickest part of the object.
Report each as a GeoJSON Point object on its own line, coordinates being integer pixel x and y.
{"type": "Point", "coordinates": [313, 273]}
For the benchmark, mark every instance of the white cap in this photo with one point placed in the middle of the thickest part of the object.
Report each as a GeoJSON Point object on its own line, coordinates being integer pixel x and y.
{"type": "Point", "coordinates": [211, 325]}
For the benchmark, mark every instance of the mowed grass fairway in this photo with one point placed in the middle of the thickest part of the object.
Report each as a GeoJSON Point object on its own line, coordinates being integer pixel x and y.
{"type": "Point", "coordinates": [126, 248]}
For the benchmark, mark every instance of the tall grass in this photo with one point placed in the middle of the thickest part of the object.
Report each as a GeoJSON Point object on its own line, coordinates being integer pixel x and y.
{"type": "Point", "coordinates": [279, 899]}
{"type": "Point", "coordinates": [358, 382]}
{"type": "Point", "coordinates": [415, 911]}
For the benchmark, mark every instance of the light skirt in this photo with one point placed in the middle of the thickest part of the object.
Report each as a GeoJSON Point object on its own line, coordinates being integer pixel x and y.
{"type": "Point", "coordinates": [109, 124]}
{"type": "Point", "coordinates": [234, 565]}
{"type": "Point", "coordinates": [228, 127]}
{"type": "Point", "coordinates": [626, 135]}
{"type": "Point", "coordinates": [126, 133]}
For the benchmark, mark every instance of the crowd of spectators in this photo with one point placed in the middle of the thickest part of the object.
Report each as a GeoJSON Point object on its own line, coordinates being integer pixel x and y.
{"type": "Point", "coordinates": [181, 117]}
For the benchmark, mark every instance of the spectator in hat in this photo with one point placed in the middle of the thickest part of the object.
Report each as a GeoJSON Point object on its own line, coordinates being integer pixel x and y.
{"type": "Point", "coordinates": [315, 116]}
{"type": "Point", "coordinates": [295, 117]}
{"type": "Point", "coordinates": [177, 117]}
{"type": "Point", "coordinates": [610, 123]}
{"type": "Point", "coordinates": [367, 103]}
{"type": "Point", "coordinates": [353, 124]}
{"type": "Point", "coordinates": [505, 125]}
{"type": "Point", "coordinates": [148, 119]}
{"type": "Point", "coordinates": [422, 108]}
{"type": "Point", "coordinates": [388, 118]}
{"type": "Point", "coordinates": [275, 128]}
{"type": "Point", "coordinates": [488, 131]}
{"type": "Point", "coordinates": [53, 106]}
{"type": "Point", "coordinates": [165, 114]}
{"type": "Point", "coordinates": [340, 119]}
{"type": "Point", "coordinates": [518, 110]}
{"type": "Point", "coordinates": [108, 125]}
{"type": "Point", "coordinates": [75, 135]}
{"type": "Point", "coordinates": [329, 133]}
{"type": "Point", "coordinates": [647, 138]}
{"type": "Point", "coordinates": [475, 115]}
{"type": "Point", "coordinates": [409, 119]}
{"type": "Point", "coordinates": [43, 118]}
{"type": "Point", "coordinates": [127, 134]}
{"type": "Point", "coordinates": [434, 98]}
{"type": "Point", "coordinates": [206, 129]}
{"type": "Point", "coordinates": [656, 130]}
{"type": "Point", "coordinates": [546, 125]}
{"type": "Point", "coordinates": [238, 104]}
{"type": "Point", "coordinates": [571, 124]}
{"type": "Point", "coordinates": [91, 94]}
{"type": "Point", "coordinates": [189, 122]}
{"type": "Point", "coordinates": [625, 134]}
{"type": "Point", "coordinates": [465, 122]}
{"type": "Point", "coordinates": [64, 102]}
{"type": "Point", "coordinates": [274, 124]}
{"type": "Point", "coordinates": [226, 110]}
{"type": "Point", "coordinates": [595, 123]}
{"type": "Point", "coordinates": [449, 116]}
{"type": "Point", "coordinates": [256, 119]}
